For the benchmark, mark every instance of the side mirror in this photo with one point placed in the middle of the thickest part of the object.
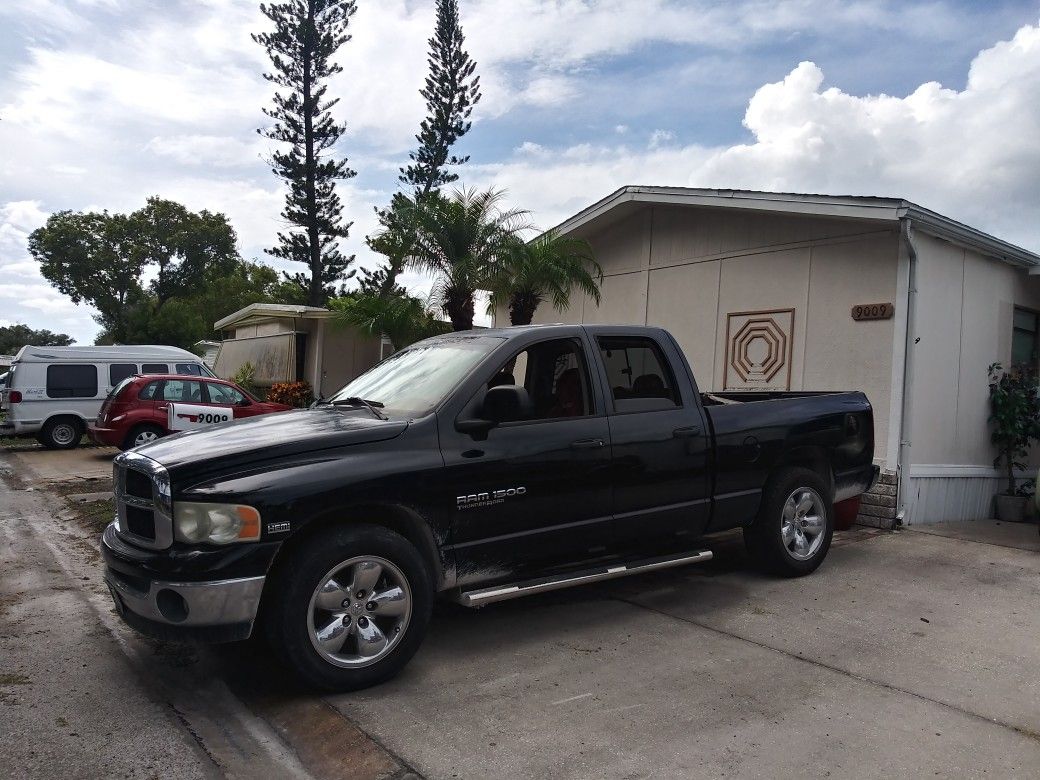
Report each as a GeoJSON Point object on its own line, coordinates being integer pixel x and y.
{"type": "Point", "coordinates": [504, 403]}
{"type": "Point", "coordinates": [244, 402]}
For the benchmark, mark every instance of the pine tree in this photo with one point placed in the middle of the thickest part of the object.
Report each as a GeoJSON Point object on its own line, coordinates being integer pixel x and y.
{"type": "Point", "coordinates": [307, 35]}
{"type": "Point", "coordinates": [451, 92]}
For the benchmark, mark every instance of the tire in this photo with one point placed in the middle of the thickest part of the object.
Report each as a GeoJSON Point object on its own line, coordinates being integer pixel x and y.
{"type": "Point", "coordinates": [781, 539]}
{"type": "Point", "coordinates": [61, 433]}
{"type": "Point", "coordinates": [296, 616]}
{"type": "Point", "coordinates": [142, 434]}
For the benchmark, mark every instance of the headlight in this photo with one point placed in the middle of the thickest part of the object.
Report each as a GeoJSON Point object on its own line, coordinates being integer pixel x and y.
{"type": "Point", "coordinates": [196, 522]}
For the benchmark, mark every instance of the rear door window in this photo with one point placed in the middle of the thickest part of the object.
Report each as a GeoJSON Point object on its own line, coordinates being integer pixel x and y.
{"type": "Point", "coordinates": [72, 381]}
{"type": "Point", "coordinates": [182, 391]}
{"type": "Point", "coordinates": [149, 391]}
{"type": "Point", "coordinates": [639, 376]}
{"type": "Point", "coordinates": [117, 372]}
{"type": "Point", "coordinates": [155, 368]}
{"type": "Point", "coordinates": [188, 369]}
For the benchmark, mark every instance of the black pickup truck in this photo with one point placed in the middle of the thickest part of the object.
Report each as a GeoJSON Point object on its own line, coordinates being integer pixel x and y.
{"type": "Point", "coordinates": [482, 466]}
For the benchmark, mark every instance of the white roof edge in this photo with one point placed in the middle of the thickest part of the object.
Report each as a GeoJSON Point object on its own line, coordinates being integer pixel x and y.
{"type": "Point", "coordinates": [271, 310]}
{"type": "Point", "coordinates": [104, 352]}
{"type": "Point", "coordinates": [848, 206]}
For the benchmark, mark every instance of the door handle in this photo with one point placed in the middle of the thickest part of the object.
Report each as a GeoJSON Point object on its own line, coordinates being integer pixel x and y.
{"type": "Point", "coordinates": [587, 444]}
{"type": "Point", "coordinates": [689, 432]}
{"type": "Point", "coordinates": [162, 408]}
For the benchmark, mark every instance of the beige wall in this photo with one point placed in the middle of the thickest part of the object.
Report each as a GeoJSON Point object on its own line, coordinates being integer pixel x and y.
{"type": "Point", "coordinates": [344, 355]}
{"type": "Point", "coordinates": [963, 320]}
{"type": "Point", "coordinates": [685, 269]}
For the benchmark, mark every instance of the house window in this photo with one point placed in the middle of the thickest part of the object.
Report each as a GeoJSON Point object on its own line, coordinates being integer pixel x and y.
{"type": "Point", "coordinates": [1025, 338]}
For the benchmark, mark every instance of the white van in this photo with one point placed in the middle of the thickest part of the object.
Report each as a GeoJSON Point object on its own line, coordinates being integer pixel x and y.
{"type": "Point", "coordinates": [53, 393]}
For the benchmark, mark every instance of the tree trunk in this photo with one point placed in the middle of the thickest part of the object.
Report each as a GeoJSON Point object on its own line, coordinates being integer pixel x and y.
{"type": "Point", "coordinates": [459, 306]}
{"type": "Point", "coordinates": [522, 306]}
{"type": "Point", "coordinates": [315, 295]}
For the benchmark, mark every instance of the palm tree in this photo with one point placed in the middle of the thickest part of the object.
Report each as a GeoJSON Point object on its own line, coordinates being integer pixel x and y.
{"type": "Point", "coordinates": [547, 268]}
{"type": "Point", "coordinates": [461, 239]}
{"type": "Point", "coordinates": [403, 319]}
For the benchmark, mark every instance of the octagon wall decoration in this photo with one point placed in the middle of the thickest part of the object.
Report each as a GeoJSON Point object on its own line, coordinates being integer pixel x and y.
{"type": "Point", "coordinates": [758, 350]}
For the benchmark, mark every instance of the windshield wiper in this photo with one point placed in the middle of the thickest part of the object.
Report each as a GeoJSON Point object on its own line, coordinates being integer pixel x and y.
{"type": "Point", "coordinates": [372, 406]}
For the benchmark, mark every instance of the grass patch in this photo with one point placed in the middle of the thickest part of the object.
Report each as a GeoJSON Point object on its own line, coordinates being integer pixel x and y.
{"type": "Point", "coordinates": [95, 515]}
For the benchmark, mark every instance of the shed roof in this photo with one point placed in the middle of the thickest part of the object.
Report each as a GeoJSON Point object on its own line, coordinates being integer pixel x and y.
{"type": "Point", "coordinates": [259, 312]}
{"type": "Point", "coordinates": [627, 199]}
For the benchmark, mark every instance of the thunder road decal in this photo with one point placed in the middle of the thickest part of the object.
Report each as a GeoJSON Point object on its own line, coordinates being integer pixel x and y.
{"type": "Point", "coordinates": [474, 500]}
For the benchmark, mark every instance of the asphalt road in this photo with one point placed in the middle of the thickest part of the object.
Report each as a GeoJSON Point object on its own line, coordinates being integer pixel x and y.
{"type": "Point", "coordinates": [906, 654]}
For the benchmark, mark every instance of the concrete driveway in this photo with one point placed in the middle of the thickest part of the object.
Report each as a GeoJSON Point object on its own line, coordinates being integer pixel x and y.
{"type": "Point", "coordinates": [82, 463]}
{"type": "Point", "coordinates": [907, 654]}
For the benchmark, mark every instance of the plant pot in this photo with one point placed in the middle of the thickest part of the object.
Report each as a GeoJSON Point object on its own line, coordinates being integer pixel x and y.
{"type": "Point", "coordinates": [1011, 509]}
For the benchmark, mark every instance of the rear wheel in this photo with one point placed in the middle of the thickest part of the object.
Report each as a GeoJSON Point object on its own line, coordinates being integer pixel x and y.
{"type": "Point", "coordinates": [350, 607]}
{"type": "Point", "coordinates": [62, 433]}
{"type": "Point", "coordinates": [142, 434]}
{"type": "Point", "coordinates": [793, 530]}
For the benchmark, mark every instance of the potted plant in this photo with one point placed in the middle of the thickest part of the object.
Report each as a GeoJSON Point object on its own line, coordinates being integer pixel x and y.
{"type": "Point", "coordinates": [1015, 414]}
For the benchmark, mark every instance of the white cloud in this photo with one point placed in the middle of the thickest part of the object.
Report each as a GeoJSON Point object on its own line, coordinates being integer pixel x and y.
{"type": "Point", "coordinates": [972, 154]}
{"type": "Point", "coordinates": [660, 138]}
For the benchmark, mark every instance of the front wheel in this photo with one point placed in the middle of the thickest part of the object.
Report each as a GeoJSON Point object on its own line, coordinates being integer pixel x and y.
{"type": "Point", "coordinates": [350, 607]}
{"type": "Point", "coordinates": [795, 523]}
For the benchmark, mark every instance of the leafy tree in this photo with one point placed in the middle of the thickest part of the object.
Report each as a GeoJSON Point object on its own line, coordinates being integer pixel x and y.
{"type": "Point", "coordinates": [451, 92]}
{"type": "Point", "coordinates": [14, 337]}
{"type": "Point", "coordinates": [547, 268]}
{"type": "Point", "coordinates": [404, 319]}
{"type": "Point", "coordinates": [92, 258]}
{"type": "Point", "coordinates": [462, 239]}
{"type": "Point", "coordinates": [181, 246]}
{"type": "Point", "coordinates": [307, 34]}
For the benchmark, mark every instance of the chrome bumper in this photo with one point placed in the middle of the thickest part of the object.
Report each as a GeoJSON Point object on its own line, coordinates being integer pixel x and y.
{"type": "Point", "coordinates": [188, 604]}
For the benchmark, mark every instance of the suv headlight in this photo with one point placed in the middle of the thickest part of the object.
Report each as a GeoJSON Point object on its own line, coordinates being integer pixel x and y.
{"type": "Point", "coordinates": [197, 522]}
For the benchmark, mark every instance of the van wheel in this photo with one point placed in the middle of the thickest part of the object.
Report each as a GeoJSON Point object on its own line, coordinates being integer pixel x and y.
{"type": "Point", "coordinates": [62, 433]}
{"type": "Point", "coordinates": [795, 523]}
{"type": "Point", "coordinates": [350, 607]}
{"type": "Point", "coordinates": [142, 434]}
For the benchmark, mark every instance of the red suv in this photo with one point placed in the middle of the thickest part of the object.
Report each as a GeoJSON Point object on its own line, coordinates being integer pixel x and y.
{"type": "Point", "coordinates": [135, 412]}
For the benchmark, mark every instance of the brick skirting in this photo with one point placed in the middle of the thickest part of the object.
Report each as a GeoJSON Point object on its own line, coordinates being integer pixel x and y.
{"type": "Point", "coordinates": [878, 507]}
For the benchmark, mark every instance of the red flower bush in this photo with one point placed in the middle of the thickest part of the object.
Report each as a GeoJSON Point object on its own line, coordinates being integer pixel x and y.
{"type": "Point", "coordinates": [298, 394]}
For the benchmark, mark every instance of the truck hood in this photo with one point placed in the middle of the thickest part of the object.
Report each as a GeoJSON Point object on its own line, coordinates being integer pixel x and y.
{"type": "Point", "coordinates": [272, 436]}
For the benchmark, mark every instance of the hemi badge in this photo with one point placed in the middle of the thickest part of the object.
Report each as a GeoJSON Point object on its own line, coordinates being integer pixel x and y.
{"type": "Point", "coordinates": [278, 528]}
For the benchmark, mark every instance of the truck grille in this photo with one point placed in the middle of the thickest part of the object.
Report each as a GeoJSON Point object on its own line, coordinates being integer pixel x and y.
{"type": "Point", "coordinates": [144, 515]}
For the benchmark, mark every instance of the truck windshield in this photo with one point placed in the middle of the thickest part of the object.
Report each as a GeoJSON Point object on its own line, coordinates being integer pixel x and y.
{"type": "Point", "coordinates": [412, 382]}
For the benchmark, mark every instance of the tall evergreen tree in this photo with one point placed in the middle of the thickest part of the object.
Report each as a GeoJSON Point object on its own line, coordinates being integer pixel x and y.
{"type": "Point", "coordinates": [307, 35]}
{"type": "Point", "coordinates": [451, 92]}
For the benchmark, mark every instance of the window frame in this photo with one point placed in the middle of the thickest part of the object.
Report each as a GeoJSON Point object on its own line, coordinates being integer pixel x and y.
{"type": "Point", "coordinates": [1034, 361]}
{"type": "Point", "coordinates": [581, 350]}
{"type": "Point", "coordinates": [663, 362]}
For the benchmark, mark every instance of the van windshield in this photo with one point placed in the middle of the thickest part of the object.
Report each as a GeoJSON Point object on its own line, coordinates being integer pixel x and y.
{"type": "Point", "coordinates": [414, 381]}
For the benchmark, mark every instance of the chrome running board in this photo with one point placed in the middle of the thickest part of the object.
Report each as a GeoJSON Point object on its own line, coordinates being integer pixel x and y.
{"type": "Point", "coordinates": [478, 598]}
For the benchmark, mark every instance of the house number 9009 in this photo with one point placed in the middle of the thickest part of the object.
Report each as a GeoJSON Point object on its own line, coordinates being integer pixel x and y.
{"type": "Point", "coordinates": [872, 311]}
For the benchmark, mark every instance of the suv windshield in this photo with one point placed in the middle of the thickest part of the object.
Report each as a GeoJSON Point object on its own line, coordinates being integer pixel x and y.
{"type": "Point", "coordinates": [412, 382]}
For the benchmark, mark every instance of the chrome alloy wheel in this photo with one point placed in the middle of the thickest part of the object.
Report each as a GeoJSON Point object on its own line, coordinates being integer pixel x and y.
{"type": "Point", "coordinates": [804, 523]}
{"type": "Point", "coordinates": [359, 612]}
{"type": "Point", "coordinates": [144, 437]}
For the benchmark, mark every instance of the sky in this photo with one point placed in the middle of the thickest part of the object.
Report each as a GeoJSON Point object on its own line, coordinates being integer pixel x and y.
{"type": "Point", "coordinates": [106, 102]}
